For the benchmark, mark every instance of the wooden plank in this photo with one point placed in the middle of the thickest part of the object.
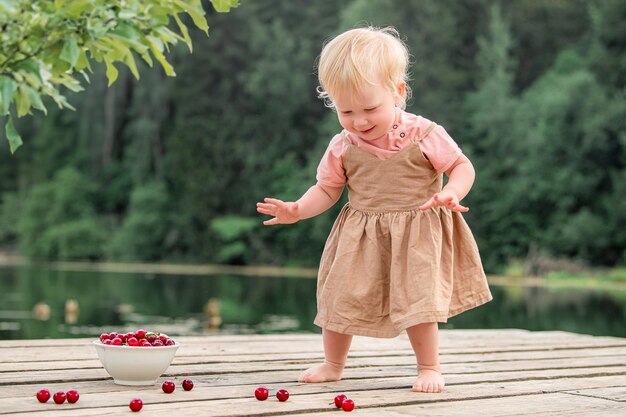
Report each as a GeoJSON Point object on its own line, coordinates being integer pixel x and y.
{"type": "Point", "coordinates": [90, 360]}
{"type": "Point", "coordinates": [468, 337]}
{"type": "Point", "coordinates": [356, 358]}
{"type": "Point", "coordinates": [232, 386]}
{"type": "Point", "coordinates": [542, 405]}
{"type": "Point", "coordinates": [286, 378]}
{"type": "Point", "coordinates": [483, 367]}
{"type": "Point", "coordinates": [608, 393]}
{"type": "Point", "coordinates": [353, 367]}
{"type": "Point", "coordinates": [218, 351]}
{"type": "Point", "coordinates": [377, 396]}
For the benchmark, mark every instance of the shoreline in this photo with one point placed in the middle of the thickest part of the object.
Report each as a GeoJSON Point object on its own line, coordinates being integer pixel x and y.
{"type": "Point", "coordinates": [12, 260]}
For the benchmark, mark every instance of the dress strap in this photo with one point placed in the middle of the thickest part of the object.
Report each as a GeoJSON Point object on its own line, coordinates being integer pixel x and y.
{"type": "Point", "coordinates": [427, 131]}
{"type": "Point", "coordinates": [344, 138]}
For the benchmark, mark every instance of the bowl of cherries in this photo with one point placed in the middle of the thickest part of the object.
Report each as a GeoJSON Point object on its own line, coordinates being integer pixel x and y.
{"type": "Point", "coordinates": [135, 358]}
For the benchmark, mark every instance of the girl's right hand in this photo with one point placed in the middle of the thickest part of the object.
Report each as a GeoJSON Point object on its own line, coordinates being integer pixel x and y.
{"type": "Point", "coordinates": [283, 212]}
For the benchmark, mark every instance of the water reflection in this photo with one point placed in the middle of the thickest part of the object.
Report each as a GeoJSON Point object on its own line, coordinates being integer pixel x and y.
{"type": "Point", "coordinates": [78, 304]}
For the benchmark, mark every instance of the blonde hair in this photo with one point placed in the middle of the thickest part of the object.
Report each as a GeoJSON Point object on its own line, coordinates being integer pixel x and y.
{"type": "Point", "coordinates": [361, 57]}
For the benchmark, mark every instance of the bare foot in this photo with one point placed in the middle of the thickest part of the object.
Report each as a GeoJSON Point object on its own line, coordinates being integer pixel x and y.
{"type": "Point", "coordinates": [324, 372]}
{"type": "Point", "coordinates": [429, 381]}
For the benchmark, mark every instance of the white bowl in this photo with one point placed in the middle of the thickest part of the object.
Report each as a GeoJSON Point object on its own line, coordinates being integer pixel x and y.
{"type": "Point", "coordinates": [134, 365]}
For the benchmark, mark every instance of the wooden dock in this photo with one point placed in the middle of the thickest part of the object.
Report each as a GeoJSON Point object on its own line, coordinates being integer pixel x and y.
{"type": "Point", "coordinates": [488, 373]}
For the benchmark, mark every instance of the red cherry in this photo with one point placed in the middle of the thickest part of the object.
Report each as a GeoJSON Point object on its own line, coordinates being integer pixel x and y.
{"type": "Point", "coordinates": [144, 342]}
{"type": "Point", "coordinates": [168, 387]}
{"type": "Point", "coordinates": [113, 335]}
{"type": "Point", "coordinates": [339, 399]}
{"type": "Point", "coordinates": [282, 395]}
{"type": "Point", "coordinates": [132, 341]}
{"type": "Point", "coordinates": [151, 338]}
{"type": "Point", "coordinates": [170, 342]}
{"type": "Point", "coordinates": [135, 404]}
{"type": "Point", "coordinates": [261, 393]}
{"type": "Point", "coordinates": [157, 343]}
{"type": "Point", "coordinates": [43, 395]}
{"type": "Point", "coordinates": [107, 342]}
{"type": "Point", "coordinates": [72, 396]}
{"type": "Point", "coordinates": [140, 334]}
{"type": "Point", "coordinates": [104, 336]}
{"type": "Point", "coordinates": [187, 384]}
{"type": "Point", "coordinates": [59, 397]}
{"type": "Point", "coordinates": [163, 338]}
{"type": "Point", "coordinates": [347, 405]}
{"type": "Point", "coordinates": [117, 341]}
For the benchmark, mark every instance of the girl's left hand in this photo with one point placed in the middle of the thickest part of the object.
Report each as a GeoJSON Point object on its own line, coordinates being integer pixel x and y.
{"type": "Point", "coordinates": [444, 198]}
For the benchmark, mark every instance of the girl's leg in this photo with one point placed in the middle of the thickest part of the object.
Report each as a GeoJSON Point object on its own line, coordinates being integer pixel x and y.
{"type": "Point", "coordinates": [424, 339]}
{"type": "Point", "coordinates": [336, 346]}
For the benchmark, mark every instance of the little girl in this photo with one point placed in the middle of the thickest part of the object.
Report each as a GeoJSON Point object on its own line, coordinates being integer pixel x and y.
{"type": "Point", "coordinates": [400, 256]}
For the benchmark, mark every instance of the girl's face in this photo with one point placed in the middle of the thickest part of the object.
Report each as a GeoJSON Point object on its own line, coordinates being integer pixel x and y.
{"type": "Point", "coordinates": [370, 113]}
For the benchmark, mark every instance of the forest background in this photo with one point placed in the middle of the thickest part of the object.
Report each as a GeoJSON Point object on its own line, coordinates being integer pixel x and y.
{"type": "Point", "coordinates": [170, 169]}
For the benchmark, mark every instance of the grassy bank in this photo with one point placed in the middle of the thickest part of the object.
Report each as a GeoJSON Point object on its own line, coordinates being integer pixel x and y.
{"type": "Point", "coordinates": [608, 279]}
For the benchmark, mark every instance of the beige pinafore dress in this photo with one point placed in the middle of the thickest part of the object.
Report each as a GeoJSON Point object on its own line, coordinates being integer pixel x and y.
{"type": "Point", "coordinates": [387, 265]}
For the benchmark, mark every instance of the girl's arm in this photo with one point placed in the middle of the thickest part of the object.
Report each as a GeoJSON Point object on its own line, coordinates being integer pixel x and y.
{"type": "Point", "coordinates": [316, 200]}
{"type": "Point", "coordinates": [460, 180]}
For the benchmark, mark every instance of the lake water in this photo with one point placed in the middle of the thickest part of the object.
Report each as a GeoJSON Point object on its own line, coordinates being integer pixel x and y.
{"type": "Point", "coordinates": [44, 303]}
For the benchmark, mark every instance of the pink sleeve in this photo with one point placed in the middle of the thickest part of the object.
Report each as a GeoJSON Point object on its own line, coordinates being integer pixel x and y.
{"type": "Point", "coordinates": [330, 171]}
{"type": "Point", "coordinates": [440, 149]}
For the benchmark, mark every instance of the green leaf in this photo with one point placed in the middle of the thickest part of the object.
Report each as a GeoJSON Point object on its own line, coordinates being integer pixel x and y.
{"type": "Point", "coordinates": [7, 88]}
{"type": "Point", "coordinates": [156, 46]}
{"type": "Point", "coordinates": [85, 76]}
{"type": "Point", "coordinates": [159, 16]}
{"type": "Point", "coordinates": [111, 70]}
{"type": "Point", "coordinates": [113, 52]}
{"type": "Point", "coordinates": [130, 62]}
{"type": "Point", "coordinates": [117, 42]}
{"type": "Point", "coordinates": [53, 57]}
{"type": "Point", "coordinates": [82, 61]}
{"type": "Point", "coordinates": [77, 7]}
{"type": "Point", "coordinates": [122, 53]}
{"type": "Point", "coordinates": [67, 81]}
{"type": "Point", "coordinates": [127, 14]}
{"type": "Point", "coordinates": [168, 36]}
{"type": "Point", "coordinates": [70, 52]}
{"type": "Point", "coordinates": [60, 100]}
{"type": "Point", "coordinates": [224, 6]}
{"type": "Point", "coordinates": [185, 32]}
{"type": "Point", "coordinates": [146, 57]}
{"type": "Point", "coordinates": [22, 101]}
{"type": "Point", "coordinates": [33, 81]}
{"type": "Point", "coordinates": [15, 141]}
{"type": "Point", "coordinates": [30, 66]}
{"type": "Point", "coordinates": [195, 10]}
{"type": "Point", "coordinates": [35, 100]}
{"type": "Point", "coordinates": [126, 31]}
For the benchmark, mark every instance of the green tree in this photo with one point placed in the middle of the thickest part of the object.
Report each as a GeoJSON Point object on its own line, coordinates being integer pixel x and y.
{"type": "Point", "coordinates": [45, 43]}
{"type": "Point", "coordinates": [542, 29]}
{"type": "Point", "coordinates": [489, 138]}
{"type": "Point", "coordinates": [143, 232]}
{"type": "Point", "coordinates": [549, 160]}
{"type": "Point", "coordinates": [248, 122]}
{"type": "Point", "coordinates": [59, 220]}
{"type": "Point", "coordinates": [242, 121]}
{"type": "Point", "coordinates": [565, 163]}
{"type": "Point", "coordinates": [441, 44]}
